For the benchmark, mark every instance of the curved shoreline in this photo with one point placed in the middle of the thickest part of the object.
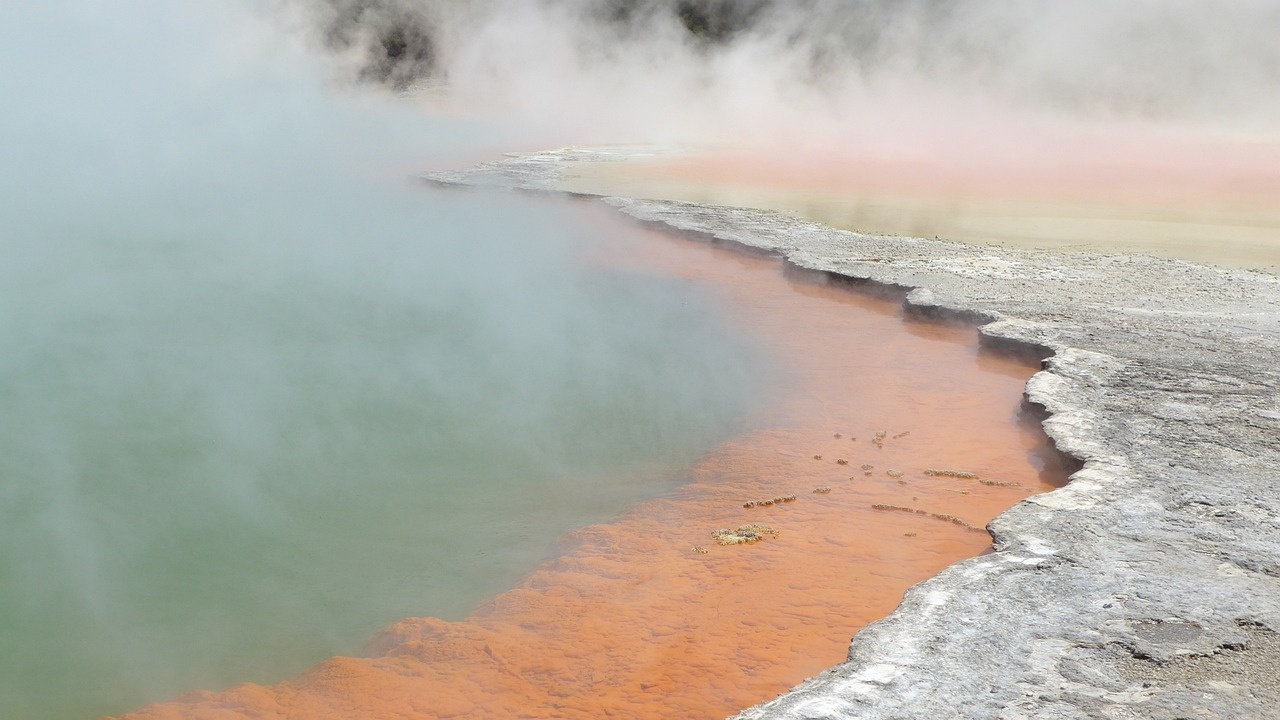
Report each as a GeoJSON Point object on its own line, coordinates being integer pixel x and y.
{"type": "Point", "coordinates": [649, 613]}
{"type": "Point", "coordinates": [1150, 585]}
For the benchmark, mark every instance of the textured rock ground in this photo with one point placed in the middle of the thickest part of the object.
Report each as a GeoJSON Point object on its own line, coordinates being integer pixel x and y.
{"type": "Point", "coordinates": [1149, 587]}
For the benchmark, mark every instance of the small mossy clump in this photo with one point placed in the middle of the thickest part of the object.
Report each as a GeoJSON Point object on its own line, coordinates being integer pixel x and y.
{"type": "Point", "coordinates": [744, 534]}
{"type": "Point", "coordinates": [951, 473]}
{"type": "Point", "coordinates": [771, 501]}
{"type": "Point", "coordinates": [936, 516]}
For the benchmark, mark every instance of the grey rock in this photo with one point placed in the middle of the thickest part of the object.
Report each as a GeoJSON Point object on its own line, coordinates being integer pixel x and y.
{"type": "Point", "coordinates": [1149, 586]}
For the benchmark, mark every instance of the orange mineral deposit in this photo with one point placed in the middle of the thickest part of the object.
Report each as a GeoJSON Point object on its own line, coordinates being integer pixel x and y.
{"type": "Point", "coordinates": [650, 615]}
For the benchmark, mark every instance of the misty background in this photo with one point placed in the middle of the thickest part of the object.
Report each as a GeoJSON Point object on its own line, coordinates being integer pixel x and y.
{"type": "Point", "coordinates": [262, 393]}
{"type": "Point", "coordinates": [671, 69]}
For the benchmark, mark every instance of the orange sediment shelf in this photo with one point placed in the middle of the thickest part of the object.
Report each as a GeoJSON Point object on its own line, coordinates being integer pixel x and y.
{"type": "Point", "coordinates": [648, 615]}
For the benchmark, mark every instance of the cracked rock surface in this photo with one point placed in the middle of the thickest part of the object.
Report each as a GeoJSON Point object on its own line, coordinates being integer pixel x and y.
{"type": "Point", "coordinates": [1149, 586]}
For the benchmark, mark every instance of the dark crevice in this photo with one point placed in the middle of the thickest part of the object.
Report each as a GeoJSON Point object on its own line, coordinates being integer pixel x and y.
{"type": "Point", "coordinates": [1033, 353]}
{"type": "Point", "coordinates": [1057, 465]}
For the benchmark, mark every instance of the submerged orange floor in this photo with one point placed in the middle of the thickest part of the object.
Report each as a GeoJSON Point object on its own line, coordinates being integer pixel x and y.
{"type": "Point", "coordinates": [647, 616]}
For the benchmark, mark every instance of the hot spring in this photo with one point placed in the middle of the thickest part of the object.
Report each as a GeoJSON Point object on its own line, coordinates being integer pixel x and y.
{"type": "Point", "coordinates": [261, 395]}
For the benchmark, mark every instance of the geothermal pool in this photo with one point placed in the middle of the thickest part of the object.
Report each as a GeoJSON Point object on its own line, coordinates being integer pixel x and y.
{"type": "Point", "coordinates": [261, 394]}
{"type": "Point", "coordinates": [646, 615]}
{"type": "Point", "coordinates": [225, 463]}
{"type": "Point", "coordinates": [262, 397]}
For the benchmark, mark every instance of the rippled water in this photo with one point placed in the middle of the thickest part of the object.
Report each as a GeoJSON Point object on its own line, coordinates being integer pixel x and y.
{"type": "Point", "coordinates": [260, 395]}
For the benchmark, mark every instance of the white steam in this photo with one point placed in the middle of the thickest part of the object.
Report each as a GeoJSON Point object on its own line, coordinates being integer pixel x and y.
{"type": "Point", "coordinates": [643, 70]}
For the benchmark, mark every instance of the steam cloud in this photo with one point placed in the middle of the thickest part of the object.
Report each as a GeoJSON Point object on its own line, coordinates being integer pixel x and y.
{"type": "Point", "coordinates": [682, 68]}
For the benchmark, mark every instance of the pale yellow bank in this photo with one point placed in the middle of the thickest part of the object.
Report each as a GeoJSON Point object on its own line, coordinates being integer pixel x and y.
{"type": "Point", "coordinates": [1218, 209]}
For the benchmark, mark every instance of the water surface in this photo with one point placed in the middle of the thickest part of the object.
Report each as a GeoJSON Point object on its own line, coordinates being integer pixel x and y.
{"type": "Point", "coordinates": [261, 395]}
{"type": "Point", "coordinates": [647, 615]}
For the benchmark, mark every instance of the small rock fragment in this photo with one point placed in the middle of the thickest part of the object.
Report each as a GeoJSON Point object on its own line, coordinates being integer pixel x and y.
{"type": "Point", "coordinates": [951, 473]}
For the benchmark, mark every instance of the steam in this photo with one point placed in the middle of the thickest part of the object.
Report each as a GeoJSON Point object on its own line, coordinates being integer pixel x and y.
{"type": "Point", "coordinates": [840, 70]}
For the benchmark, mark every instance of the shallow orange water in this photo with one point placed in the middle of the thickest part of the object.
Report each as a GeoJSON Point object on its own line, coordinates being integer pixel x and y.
{"type": "Point", "coordinates": [632, 621]}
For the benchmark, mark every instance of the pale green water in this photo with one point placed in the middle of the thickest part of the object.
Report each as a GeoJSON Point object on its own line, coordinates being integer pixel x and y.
{"type": "Point", "coordinates": [260, 397]}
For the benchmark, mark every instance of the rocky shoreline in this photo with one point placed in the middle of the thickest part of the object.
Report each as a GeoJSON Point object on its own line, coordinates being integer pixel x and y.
{"type": "Point", "coordinates": [1147, 587]}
